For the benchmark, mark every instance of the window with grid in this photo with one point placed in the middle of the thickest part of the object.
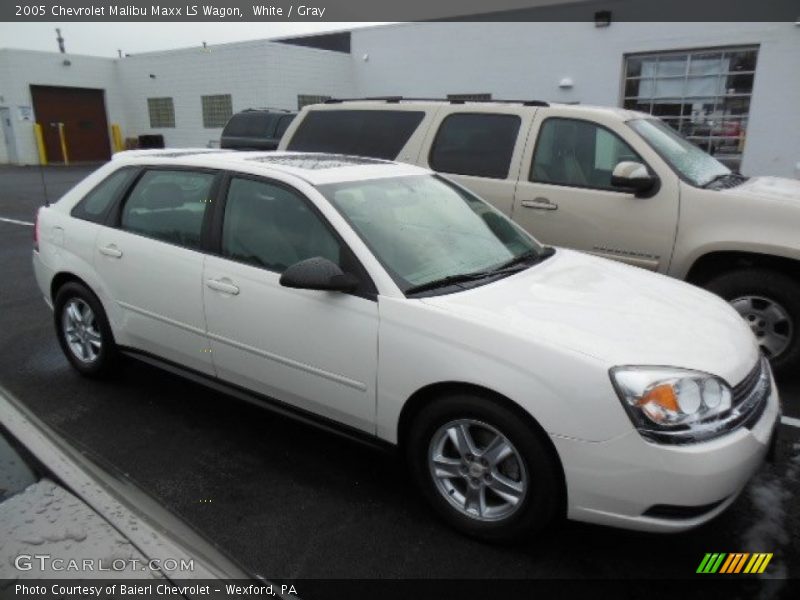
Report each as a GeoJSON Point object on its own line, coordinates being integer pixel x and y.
{"type": "Point", "coordinates": [469, 97]}
{"type": "Point", "coordinates": [217, 110]}
{"type": "Point", "coordinates": [703, 94]}
{"type": "Point", "coordinates": [306, 99]}
{"type": "Point", "coordinates": [162, 112]}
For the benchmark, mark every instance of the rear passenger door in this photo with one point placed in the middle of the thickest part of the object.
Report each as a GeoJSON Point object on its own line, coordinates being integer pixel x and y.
{"type": "Point", "coordinates": [150, 260]}
{"type": "Point", "coordinates": [480, 150]}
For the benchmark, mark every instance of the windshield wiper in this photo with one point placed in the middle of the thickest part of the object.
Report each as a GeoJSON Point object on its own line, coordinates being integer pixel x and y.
{"type": "Point", "coordinates": [732, 177]}
{"type": "Point", "coordinates": [512, 266]}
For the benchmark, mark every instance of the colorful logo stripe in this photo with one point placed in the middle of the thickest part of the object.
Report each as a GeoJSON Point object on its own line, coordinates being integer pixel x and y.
{"type": "Point", "coordinates": [735, 562]}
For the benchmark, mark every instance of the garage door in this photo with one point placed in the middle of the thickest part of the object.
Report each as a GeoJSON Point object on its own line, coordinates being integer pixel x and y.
{"type": "Point", "coordinates": [83, 113]}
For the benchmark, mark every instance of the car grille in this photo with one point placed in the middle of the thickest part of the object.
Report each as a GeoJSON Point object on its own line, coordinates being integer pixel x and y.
{"type": "Point", "coordinates": [750, 396]}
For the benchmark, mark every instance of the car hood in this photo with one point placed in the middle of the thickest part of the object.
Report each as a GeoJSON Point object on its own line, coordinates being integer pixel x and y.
{"type": "Point", "coordinates": [780, 189]}
{"type": "Point", "coordinates": [618, 314]}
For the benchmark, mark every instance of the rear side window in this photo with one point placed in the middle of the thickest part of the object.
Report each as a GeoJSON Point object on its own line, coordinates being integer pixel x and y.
{"type": "Point", "coordinates": [168, 206]}
{"type": "Point", "coordinates": [250, 125]}
{"type": "Point", "coordinates": [475, 144]}
{"type": "Point", "coordinates": [372, 133]}
{"type": "Point", "coordinates": [95, 204]}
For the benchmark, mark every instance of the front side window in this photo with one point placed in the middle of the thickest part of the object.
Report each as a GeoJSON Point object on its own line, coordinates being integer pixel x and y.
{"type": "Point", "coordinates": [475, 144]}
{"type": "Point", "coordinates": [168, 206]}
{"type": "Point", "coordinates": [422, 228]}
{"type": "Point", "coordinates": [703, 95]}
{"type": "Point", "coordinates": [95, 204]}
{"type": "Point", "coordinates": [273, 227]}
{"type": "Point", "coordinates": [370, 133]}
{"type": "Point", "coordinates": [283, 125]}
{"type": "Point", "coordinates": [578, 153]}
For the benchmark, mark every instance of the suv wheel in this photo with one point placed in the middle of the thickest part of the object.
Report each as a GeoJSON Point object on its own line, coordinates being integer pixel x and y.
{"type": "Point", "coordinates": [770, 303]}
{"type": "Point", "coordinates": [83, 330]}
{"type": "Point", "coordinates": [483, 469]}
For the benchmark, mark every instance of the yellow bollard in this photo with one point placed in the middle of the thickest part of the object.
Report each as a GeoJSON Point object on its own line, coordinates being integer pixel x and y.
{"type": "Point", "coordinates": [37, 133]}
{"type": "Point", "coordinates": [63, 139]}
{"type": "Point", "coordinates": [116, 138]}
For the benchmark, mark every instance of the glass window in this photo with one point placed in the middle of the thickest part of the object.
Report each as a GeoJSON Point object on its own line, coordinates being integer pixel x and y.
{"type": "Point", "coordinates": [94, 205]}
{"type": "Point", "coordinates": [578, 153]}
{"type": "Point", "coordinates": [283, 125]}
{"type": "Point", "coordinates": [699, 92]}
{"type": "Point", "coordinates": [372, 133]}
{"type": "Point", "coordinates": [217, 109]}
{"type": "Point", "coordinates": [250, 124]}
{"type": "Point", "coordinates": [270, 226]}
{"type": "Point", "coordinates": [475, 144]}
{"type": "Point", "coordinates": [168, 206]}
{"type": "Point", "coordinates": [421, 228]}
{"type": "Point", "coordinates": [162, 112]}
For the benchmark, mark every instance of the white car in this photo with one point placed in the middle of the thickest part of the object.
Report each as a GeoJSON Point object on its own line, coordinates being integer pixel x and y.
{"type": "Point", "coordinates": [522, 382]}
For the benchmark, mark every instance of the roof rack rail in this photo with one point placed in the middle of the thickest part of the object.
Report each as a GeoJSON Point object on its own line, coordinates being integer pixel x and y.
{"type": "Point", "coordinates": [268, 108]}
{"type": "Point", "coordinates": [397, 99]}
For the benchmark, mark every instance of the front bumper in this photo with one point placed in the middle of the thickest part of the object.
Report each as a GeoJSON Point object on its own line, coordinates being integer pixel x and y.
{"type": "Point", "coordinates": [616, 482]}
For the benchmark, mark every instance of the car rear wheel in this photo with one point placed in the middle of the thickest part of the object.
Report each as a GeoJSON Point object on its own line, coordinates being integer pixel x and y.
{"type": "Point", "coordinates": [83, 330]}
{"type": "Point", "coordinates": [485, 470]}
{"type": "Point", "coordinates": [769, 302]}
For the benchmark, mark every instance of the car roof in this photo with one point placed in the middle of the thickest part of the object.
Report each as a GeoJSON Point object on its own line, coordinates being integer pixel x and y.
{"type": "Point", "coordinates": [312, 167]}
{"type": "Point", "coordinates": [472, 106]}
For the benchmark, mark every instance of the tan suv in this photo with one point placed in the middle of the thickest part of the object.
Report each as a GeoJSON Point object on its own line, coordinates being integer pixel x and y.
{"type": "Point", "coordinates": [616, 183]}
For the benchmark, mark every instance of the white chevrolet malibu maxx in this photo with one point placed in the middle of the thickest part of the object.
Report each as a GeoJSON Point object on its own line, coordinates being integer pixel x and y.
{"type": "Point", "coordinates": [522, 382]}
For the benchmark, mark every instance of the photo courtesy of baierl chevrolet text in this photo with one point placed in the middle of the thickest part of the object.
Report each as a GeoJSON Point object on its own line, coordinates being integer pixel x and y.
{"type": "Point", "coordinates": [358, 299]}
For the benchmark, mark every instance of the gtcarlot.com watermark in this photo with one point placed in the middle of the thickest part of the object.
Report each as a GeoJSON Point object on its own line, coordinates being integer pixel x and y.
{"type": "Point", "coordinates": [49, 563]}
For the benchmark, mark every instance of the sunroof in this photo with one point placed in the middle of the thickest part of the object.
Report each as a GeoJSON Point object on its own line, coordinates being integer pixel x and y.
{"type": "Point", "coordinates": [315, 162]}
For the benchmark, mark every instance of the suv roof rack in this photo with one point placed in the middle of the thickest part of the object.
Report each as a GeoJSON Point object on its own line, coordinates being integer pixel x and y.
{"type": "Point", "coordinates": [267, 109]}
{"type": "Point", "coordinates": [397, 99]}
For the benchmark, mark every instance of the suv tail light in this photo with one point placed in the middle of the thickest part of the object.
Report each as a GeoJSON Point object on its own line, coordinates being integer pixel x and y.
{"type": "Point", "coordinates": [36, 232]}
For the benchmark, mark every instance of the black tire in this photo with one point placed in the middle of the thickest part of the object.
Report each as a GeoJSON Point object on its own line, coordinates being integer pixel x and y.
{"type": "Point", "coordinates": [777, 288]}
{"type": "Point", "coordinates": [106, 358]}
{"type": "Point", "coordinates": [544, 500]}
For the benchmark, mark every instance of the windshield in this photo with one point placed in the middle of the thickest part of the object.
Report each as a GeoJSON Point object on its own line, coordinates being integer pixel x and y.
{"type": "Point", "coordinates": [423, 229]}
{"type": "Point", "coordinates": [688, 160]}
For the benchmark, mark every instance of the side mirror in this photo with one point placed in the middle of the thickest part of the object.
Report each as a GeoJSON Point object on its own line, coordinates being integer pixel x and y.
{"type": "Point", "coordinates": [632, 177]}
{"type": "Point", "coordinates": [318, 273]}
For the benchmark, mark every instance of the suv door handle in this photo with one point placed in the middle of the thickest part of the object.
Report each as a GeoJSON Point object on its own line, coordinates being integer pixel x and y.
{"type": "Point", "coordinates": [225, 286]}
{"type": "Point", "coordinates": [540, 204]}
{"type": "Point", "coordinates": [111, 250]}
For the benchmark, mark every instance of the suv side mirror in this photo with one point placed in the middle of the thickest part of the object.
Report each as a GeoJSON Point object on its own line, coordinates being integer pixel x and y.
{"type": "Point", "coordinates": [318, 273]}
{"type": "Point", "coordinates": [632, 177]}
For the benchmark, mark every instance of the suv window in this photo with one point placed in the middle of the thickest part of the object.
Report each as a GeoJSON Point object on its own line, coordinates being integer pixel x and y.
{"type": "Point", "coordinates": [283, 125]}
{"type": "Point", "coordinates": [578, 153]}
{"type": "Point", "coordinates": [249, 124]}
{"type": "Point", "coordinates": [373, 133]}
{"type": "Point", "coordinates": [270, 226]}
{"type": "Point", "coordinates": [475, 144]}
{"type": "Point", "coordinates": [168, 206]}
{"type": "Point", "coordinates": [94, 205]}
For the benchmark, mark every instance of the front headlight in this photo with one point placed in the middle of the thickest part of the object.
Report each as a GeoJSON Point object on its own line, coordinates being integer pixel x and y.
{"type": "Point", "coordinates": [673, 405]}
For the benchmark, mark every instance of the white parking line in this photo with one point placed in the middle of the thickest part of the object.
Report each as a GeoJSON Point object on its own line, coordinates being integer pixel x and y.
{"type": "Point", "coordinates": [16, 222]}
{"type": "Point", "coordinates": [790, 421]}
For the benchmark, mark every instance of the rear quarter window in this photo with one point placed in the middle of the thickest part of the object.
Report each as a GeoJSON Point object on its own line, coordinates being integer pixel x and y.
{"type": "Point", "coordinates": [475, 144]}
{"type": "Point", "coordinates": [94, 206]}
{"type": "Point", "coordinates": [373, 133]}
{"type": "Point", "coordinates": [250, 125]}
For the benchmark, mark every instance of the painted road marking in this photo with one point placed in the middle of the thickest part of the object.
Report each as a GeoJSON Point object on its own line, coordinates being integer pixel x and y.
{"type": "Point", "coordinates": [16, 222]}
{"type": "Point", "coordinates": [790, 421]}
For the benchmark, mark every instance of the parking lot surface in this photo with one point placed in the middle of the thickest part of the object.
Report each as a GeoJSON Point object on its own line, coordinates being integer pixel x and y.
{"type": "Point", "coordinates": [289, 501]}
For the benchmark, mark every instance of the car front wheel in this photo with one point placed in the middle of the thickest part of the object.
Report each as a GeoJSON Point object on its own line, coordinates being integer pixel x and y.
{"type": "Point", "coordinates": [769, 302]}
{"type": "Point", "coordinates": [484, 469]}
{"type": "Point", "coordinates": [83, 330]}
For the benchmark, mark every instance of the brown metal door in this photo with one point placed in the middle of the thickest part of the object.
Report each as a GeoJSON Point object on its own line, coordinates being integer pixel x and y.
{"type": "Point", "coordinates": [83, 113]}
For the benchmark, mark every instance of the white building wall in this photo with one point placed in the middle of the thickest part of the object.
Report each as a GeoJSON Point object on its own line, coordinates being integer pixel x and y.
{"type": "Point", "coordinates": [19, 69]}
{"type": "Point", "coordinates": [527, 60]}
{"type": "Point", "coordinates": [256, 74]}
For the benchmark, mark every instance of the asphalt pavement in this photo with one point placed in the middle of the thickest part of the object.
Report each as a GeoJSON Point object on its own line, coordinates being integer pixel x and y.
{"type": "Point", "coordinates": [289, 501]}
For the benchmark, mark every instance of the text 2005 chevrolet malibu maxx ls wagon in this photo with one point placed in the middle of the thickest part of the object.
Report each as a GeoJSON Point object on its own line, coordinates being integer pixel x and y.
{"type": "Point", "coordinates": [522, 382]}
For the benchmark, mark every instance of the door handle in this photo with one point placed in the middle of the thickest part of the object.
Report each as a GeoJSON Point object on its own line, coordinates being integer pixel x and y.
{"type": "Point", "coordinates": [540, 203]}
{"type": "Point", "coordinates": [223, 285]}
{"type": "Point", "coordinates": [111, 250]}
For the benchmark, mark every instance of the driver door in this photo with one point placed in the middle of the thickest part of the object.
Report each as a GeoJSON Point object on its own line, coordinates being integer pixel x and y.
{"type": "Point", "coordinates": [564, 196]}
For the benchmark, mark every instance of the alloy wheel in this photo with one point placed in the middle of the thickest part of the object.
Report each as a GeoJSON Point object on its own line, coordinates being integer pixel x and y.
{"type": "Point", "coordinates": [769, 321]}
{"type": "Point", "coordinates": [81, 330]}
